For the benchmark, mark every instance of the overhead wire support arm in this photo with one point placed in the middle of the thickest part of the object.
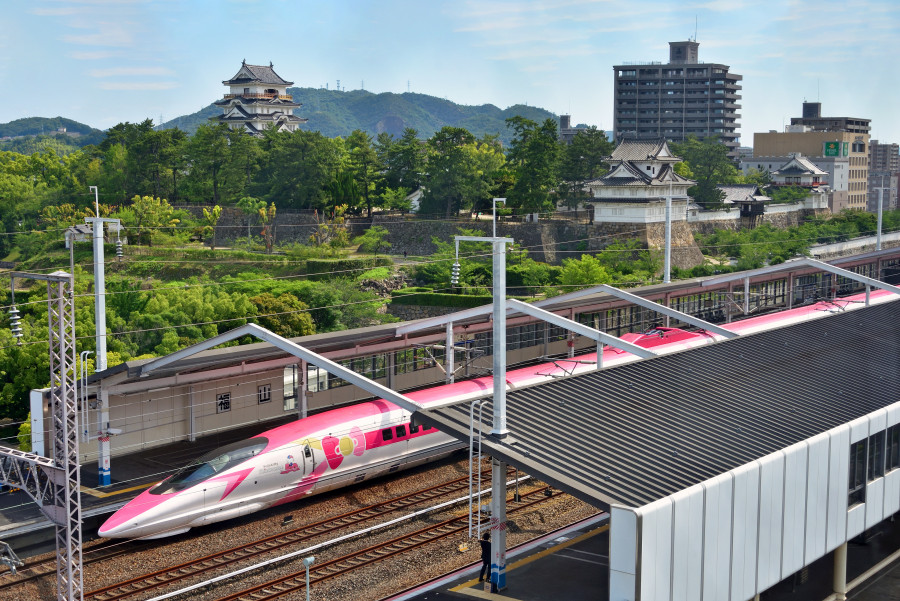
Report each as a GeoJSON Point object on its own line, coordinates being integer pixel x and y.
{"type": "Point", "coordinates": [579, 328]}
{"type": "Point", "coordinates": [643, 302]}
{"type": "Point", "coordinates": [292, 348]}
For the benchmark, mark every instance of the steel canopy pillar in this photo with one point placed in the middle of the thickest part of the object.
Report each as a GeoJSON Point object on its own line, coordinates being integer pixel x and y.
{"type": "Point", "coordinates": [499, 430]}
{"type": "Point", "coordinates": [498, 525]}
{"type": "Point", "coordinates": [499, 256]}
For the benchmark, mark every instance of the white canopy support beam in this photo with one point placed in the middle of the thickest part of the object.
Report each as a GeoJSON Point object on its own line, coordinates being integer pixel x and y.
{"type": "Point", "coordinates": [294, 349]}
{"type": "Point", "coordinates": [580, 329]}
{"type": "Point", "coordinates": [433, 322]}
{"type": "Point", "coordinates": [643, 302]}
{"type": "Point", "coordinates": [803, 262]}
{"type": "Point", "coordinates": [853, 276]}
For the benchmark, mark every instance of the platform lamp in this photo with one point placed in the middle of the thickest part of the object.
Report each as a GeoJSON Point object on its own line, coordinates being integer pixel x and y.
{"type": "Point", "coordinates": [308, 561]}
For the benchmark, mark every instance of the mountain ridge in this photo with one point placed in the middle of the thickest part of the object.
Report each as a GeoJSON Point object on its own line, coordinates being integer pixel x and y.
{"type": "Point", "coordinates": [335, 113]}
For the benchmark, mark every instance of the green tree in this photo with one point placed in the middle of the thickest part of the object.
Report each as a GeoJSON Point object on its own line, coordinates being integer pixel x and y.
{"type": "Point", "coordinates": [364, 165]}
{"type": "Point", "coordinates": [267, 218]}
{"type": "Point", "coordinates": [583, 160]}
{"type": "Point", "coordinates": [208, 155]}
{"type": "Point", "coordinates": [343, 189]}
{"type": "Point", "coordinates": [373, 240]}
{"type": "Point", "coordinates": [450, 172]}
{"type": "Point", "coordinates": [709, 166]}
{"type": "Point", "coordinates": [250, 207]}
{"type": "Point", "coordinates": [534, 157]}
{"type": "Point", "coordinates": [331, 233]}
{"type": "Point", "coordinates": [211, 217]}
{"type": "Point", "coordinates": [403, 159]}
{"type": "Point", "coordinates": [297, 168]}
{"type": "Point", "coordinates": [396, 199]}
{"type": "Point", "coordinates": [583, 273]}
{"type": "Point", "coordinates": [151, 213]}
{"type": "Point", "coordinates": [285, 314]}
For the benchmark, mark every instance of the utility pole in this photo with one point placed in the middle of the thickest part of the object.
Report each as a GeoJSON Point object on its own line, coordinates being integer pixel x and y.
{"type": "Point", "coordinates": [667, 270]}
{"type": "Point", "coordinates": [103, 458]}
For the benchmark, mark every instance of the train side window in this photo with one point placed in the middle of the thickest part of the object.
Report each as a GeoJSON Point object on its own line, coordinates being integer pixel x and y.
{"type": "Point", "coordinates": [414, 428]}
{"type": "Point", "coordinates": [307, 451]}
{"type": "Point", "coordinates": [401, 431]}
{"type": "Point", "coordinates": [387, 434]}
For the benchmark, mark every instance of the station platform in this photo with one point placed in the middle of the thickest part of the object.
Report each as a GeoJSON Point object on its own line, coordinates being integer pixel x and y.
{"type": "Point", "coordinates": [570, 564]}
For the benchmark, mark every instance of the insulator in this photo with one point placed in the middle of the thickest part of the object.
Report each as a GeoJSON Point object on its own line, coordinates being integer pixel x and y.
{"type": "Point", "coordinates": [15, 323]}
{"type": "Point", "coordinates": [120, 252]}
{"type": "Point", "coordinates": [454, 274]}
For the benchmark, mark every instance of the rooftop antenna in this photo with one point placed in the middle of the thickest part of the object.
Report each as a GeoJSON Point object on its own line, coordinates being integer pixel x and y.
{"type": "Point", "coordinates": [695, 27]}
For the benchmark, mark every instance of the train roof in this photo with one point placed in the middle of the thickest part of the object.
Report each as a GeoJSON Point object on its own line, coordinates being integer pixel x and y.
{"type": "Point", "coordinates": [638, 432]}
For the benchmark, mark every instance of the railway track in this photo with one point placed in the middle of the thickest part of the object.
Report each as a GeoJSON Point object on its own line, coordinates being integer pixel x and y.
{"type": "Point", "coordinates": [295, 582]}
{"type": "Point", "coordinates": [259, 547]}
{"type": "Point", "coordinates": [32, 570]}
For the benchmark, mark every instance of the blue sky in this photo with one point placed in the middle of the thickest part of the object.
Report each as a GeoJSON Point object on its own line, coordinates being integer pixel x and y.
{"type": "Point", "coordinates": [106, 61]}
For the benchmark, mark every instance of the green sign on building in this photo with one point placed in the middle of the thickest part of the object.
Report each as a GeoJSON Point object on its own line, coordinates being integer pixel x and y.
{"type": "Point", "coordinates": [832, 149]}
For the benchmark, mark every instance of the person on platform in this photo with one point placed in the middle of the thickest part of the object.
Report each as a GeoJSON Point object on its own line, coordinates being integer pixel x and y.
{"type": "Point", "coordinates": [485, 555]}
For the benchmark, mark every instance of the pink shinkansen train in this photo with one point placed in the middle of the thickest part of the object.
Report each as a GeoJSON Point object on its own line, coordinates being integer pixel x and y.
{"type": "Point", "coordinates": [345, 445]}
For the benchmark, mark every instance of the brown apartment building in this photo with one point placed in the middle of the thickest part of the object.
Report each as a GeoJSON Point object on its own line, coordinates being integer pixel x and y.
{"type": "Point", "coordinates": [677, 99]}
{"type": "Point", "coordinates": [827, 137]}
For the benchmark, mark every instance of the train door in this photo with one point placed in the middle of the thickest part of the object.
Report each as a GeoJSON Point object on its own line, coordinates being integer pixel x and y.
{"type": "Point", "coordinates": [309, 459]}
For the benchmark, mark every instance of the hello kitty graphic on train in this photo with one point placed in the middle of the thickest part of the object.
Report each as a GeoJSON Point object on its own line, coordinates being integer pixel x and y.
{"type": "Point", "coordinates": [349, 444]}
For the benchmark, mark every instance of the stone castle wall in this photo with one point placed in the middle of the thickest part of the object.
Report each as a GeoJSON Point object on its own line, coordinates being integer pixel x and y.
{"type": "Point", "coordinates": [551, 240]}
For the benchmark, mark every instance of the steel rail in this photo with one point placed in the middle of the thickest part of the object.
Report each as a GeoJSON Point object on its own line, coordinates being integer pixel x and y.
{"type": "Point", "coordinates": [339, 566]}
{"type": "Point", "coordinates": [239, 553]}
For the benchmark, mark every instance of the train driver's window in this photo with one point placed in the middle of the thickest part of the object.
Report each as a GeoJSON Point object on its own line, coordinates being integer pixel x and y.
{"type": "Point", "coordinates": [401, 431]}
{"type": "Point", "coordinates": [387, 434]}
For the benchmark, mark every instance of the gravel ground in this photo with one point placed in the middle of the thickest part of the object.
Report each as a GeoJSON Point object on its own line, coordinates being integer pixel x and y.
{"type": "Point", "coordinates": [368, 583]}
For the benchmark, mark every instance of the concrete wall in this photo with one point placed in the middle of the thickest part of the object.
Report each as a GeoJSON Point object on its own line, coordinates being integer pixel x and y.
{"type": "Point", "coordinates": [738, 534]}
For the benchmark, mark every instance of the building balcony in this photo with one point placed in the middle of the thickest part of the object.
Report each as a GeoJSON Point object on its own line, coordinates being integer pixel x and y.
{"type": "Point", "coordinates": [287, 97]}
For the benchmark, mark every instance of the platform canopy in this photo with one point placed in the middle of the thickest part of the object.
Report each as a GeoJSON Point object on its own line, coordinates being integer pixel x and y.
{"type": "Point", "coordinates": [634, 433]}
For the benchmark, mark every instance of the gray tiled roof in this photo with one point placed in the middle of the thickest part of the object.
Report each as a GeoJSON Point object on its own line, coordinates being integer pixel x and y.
{"type": "Point", "coordinates": [257, 73]}
{"type": "Point", "coordinates": [643, 150]}
{"type": "Point", "coordinates": [741, 193]}
{"type": "Point", "coordinates": [638, 177]}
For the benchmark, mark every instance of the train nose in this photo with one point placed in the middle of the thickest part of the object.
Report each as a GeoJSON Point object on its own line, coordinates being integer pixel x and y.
{"type": "Point", "coordinates": [109, 529]}
{"type": "Point", "coordinates": [135, 517]}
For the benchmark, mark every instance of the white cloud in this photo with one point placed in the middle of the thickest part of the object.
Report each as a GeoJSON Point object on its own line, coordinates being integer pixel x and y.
{"type": "Point", "coordinates": [95, 55]}
{"type": "Point", "coordinates": [62, 11]}
{"type": "Point", "coordinates": [138, 85]}
{"type": "Point", "coordinates": [130, 71]}
{"type": "Point", "coordinates": [105, 34]}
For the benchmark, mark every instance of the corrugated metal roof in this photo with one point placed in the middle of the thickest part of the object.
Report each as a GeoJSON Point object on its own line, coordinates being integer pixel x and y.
{"type": "Point", "coordinates": [635, 433]}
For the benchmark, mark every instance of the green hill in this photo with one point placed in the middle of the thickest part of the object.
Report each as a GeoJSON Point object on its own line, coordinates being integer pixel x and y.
{"type": "Point", "coordinates": [336, 113]}
{"type": "Point", "coordinates": [76, 134]}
